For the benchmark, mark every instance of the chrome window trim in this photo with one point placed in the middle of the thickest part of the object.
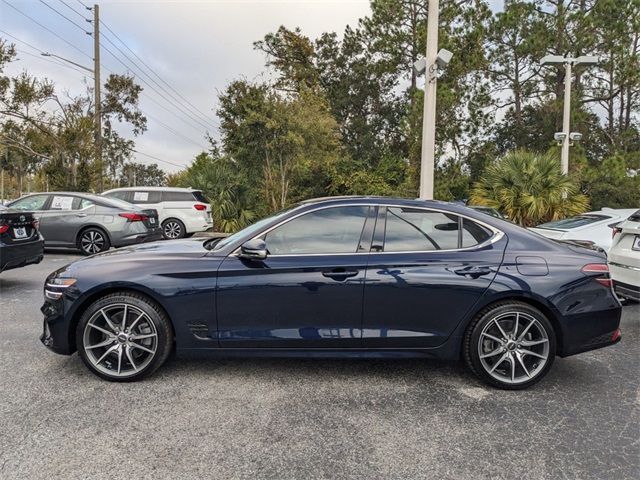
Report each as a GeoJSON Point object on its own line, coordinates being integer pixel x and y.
{"type": "Point", "coordinates": [497, 234]}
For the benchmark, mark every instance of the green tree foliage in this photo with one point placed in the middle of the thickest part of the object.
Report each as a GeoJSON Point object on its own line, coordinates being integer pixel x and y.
{"type": "Point", "coordinates": [529, 188]}
{"type": "Point", "coordinates": [53, 136]}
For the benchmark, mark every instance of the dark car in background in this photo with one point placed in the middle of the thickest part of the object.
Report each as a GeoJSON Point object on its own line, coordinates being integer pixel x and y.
{"type": "Point", "coordinates": [354, 276]}
{"type": "Point", "coordinates": [20, 242]}
{"type": "Point", "coordinates": [90, 223]}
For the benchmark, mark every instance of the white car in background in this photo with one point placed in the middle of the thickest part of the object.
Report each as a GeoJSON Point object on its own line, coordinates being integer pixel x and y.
{"type": "Point", "coordinates": [181, 211]}
{"type": "Point", "coordinates": [592, 228]}
{"type": "Point", "coordinates": [624, 258]}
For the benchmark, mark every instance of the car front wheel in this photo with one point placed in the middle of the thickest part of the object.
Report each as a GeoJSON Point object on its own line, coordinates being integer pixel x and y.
{"type": "Point", "coordinates": [510, 345]}
{"type": "Point", "coordinates": [124, 337]}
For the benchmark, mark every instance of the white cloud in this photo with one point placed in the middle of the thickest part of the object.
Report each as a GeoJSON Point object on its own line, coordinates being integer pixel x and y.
{"type": "Point", "coordinates": [197, 47]}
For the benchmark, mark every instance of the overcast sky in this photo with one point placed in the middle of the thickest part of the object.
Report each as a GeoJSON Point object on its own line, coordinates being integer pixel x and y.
{"type": "Point", "coordinates": [196, 47]}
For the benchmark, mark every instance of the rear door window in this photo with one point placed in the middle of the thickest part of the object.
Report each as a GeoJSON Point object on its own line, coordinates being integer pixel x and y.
{"type": "Point", "coordinates": [419, 230]}
{"type": "Point", "coordinates": [62, 202]}
{"type": "Point", "coordinates": [142, 197]}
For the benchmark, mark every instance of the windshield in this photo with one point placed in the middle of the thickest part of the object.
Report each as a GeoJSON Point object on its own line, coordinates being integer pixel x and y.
{"type": "Point", "coordinates": [251, 229]}
{"type": "Point", "coordinates": [573, 222]}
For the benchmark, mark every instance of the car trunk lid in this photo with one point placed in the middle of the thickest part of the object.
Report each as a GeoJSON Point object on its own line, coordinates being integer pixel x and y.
{"type": "Point", "coordinates": [18, 226]}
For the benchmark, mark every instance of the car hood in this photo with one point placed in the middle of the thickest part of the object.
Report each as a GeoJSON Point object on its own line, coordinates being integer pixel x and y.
{"type": "Point", "coordinates": [141, 256]}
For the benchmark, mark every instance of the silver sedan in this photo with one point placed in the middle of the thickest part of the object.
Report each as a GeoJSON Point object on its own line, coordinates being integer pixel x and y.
{"type": "Point", "coordinates": [90, 223]}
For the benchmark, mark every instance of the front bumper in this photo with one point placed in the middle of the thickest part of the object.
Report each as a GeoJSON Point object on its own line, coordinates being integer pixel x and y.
{"type": "Point", "coordinates": [21, 254]}
{"type": "Point", "coordinates": [55, 334]}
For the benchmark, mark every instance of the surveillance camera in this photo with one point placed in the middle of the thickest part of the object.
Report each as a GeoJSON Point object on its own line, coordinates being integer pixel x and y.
{"type": "Point", "coordinates": [559, 136]}
{"type": "Point", "coordinates": [575, 136]}
{"type": "Point", "coordinates": [443, 58]}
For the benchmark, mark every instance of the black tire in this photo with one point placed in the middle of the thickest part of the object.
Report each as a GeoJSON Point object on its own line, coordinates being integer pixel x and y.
{"type": "Point", "coordinates": [93, 240]}
{"type": "Point", "coordinates": [173, 229]}
{"type": "Point", "coordinates": [506, 312]}
{"type": "Point", "coordinates": [136, 303]}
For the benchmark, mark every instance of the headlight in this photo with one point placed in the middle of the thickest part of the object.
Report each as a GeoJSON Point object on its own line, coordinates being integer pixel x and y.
{"type": "Point", "coordinates": [54, 287]}
{"type": "Point", "coordinates": [61, 282]}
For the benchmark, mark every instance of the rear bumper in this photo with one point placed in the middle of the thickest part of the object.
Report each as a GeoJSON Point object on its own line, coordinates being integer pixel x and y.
{"type": "Point", "coordinates": [589, 331]}
{"type": "Point", "coordinates": [21, 254]}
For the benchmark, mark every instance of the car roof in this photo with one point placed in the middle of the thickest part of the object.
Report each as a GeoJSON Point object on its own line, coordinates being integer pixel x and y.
{"type": "Point", "coordinates": [152, 189]}
{"type": "Point", "coordinates": [377, 199]}
{"type": "Point", "coordinates": [91, 196]}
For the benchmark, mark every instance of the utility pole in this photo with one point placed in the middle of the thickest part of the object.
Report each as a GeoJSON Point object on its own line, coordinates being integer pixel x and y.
{"type": "Point", "coordinates": [427, 165]}
{"type": "Point", "coordinates": [96, 79]}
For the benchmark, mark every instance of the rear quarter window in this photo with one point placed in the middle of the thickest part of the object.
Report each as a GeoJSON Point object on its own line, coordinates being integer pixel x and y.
{"type": "Point", "coordinates": [177, 197]}
{"type": "Point", "coordinates": [199, 196]}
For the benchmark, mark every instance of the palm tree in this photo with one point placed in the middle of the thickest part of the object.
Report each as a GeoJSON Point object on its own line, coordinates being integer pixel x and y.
{"type": "Point", "coordinates": [529, 188]}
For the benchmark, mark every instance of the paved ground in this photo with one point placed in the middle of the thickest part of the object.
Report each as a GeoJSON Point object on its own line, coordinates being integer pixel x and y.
{"type": "Point", "coordinates": [307, 419]}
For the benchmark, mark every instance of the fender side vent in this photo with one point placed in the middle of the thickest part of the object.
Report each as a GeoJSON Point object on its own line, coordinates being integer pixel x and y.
{"type": "Point", "coordinates": [199, 330]}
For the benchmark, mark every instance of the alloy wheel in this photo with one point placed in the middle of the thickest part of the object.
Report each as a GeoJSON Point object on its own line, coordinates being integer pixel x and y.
{"type": "Point", "coordinates": [92, 241]}
{"type": "Point", "coordinates": [172, 230]}
{"type": "Point", "coordinates": [120, 340]}
{"type": "Point", "coordinates": [513, 347]}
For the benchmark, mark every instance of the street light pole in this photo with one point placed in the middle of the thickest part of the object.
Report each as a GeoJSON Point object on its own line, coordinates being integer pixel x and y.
{"type": "Point", "coordinates": [96, 80]}
{"type": "Point", "coordinates": [566, 114]}
{"type": "Point", "coordinates": [566, 135]}
{"type": "Point", "coordinates": [427, 164]}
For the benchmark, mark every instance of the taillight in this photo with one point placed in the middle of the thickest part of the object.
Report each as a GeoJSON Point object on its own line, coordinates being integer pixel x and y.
{"type": "Point", "coordinates": [4, 228]}
{"type": "Point", "coordinates": [199, 206]}
{"type": "Point", "coordinates": [615, 231]}
{"type": "Point", "coordinates": [602, 269]}
{"type": "Point", "coordinates": [134, 217]}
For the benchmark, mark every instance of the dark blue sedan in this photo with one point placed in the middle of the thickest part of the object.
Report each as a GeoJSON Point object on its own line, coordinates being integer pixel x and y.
{"type": "Point", "coordinates": [338, 277]}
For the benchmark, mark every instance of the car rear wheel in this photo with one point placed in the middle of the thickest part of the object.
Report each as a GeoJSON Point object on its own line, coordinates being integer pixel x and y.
{"type": "Point", "coordinates": [124, 337]}
{"type": "Point", "coordinates": [510, 345]}
{"type": "Point", "coordinates": [92, 241]}
{"type": "Point", "coordinates": [173, 229]}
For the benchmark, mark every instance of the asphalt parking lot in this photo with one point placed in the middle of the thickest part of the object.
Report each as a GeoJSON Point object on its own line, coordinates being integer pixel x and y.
{"type": "Point", "coordinates": [307, 419]}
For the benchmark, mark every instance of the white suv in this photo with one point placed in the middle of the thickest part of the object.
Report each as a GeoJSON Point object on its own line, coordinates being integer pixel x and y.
{"type": "Point", "coordinates": [624, 258]}
{"type": "Point", "coordinates": [181, 211]}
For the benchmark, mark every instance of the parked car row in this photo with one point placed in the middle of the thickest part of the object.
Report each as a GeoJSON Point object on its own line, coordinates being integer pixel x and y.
{"type": "Point", "coordinates": [615, 231]}
{"type": "Point", "coordinates": [95, 223]}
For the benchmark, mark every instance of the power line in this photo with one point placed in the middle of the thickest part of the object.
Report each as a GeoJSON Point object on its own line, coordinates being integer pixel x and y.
{"type": "Point", "coordinates": [88, 8]}
{"type": "Point", "coordinates": [46, 28]}
{"type": "Point", "coordinates": [175, 132]}
{"type": "Point", "coordinates": [154, 157]}
{"type": "Point", "coordinates": [176, 103]}
{"type": "Point", "coordinates": [64, 16]}
{"type": "Point", "coordinates": [74, 10]}
{"type": "Point", "coordinates": [192, 125]}
{"type": "Point", "coordinates": [204, 116]}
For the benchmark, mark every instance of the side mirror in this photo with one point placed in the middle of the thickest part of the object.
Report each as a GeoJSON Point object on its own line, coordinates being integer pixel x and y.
{"type": "Point", "coordinates": [255, 249]}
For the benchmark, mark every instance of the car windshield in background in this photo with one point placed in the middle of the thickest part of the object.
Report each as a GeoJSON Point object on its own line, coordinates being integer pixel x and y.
{"type": "Point", "coordinates": [573, 222]}
{"type": "Point", "coordinates": [635, 217]}
{"type": "Point", "coordinates": [199, 196]}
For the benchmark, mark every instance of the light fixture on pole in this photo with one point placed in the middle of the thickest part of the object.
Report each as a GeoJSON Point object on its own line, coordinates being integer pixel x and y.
{"type": "Point", "coordinates": [566, 136]}
{"type": "Point", "coordinates": [433, 61]}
